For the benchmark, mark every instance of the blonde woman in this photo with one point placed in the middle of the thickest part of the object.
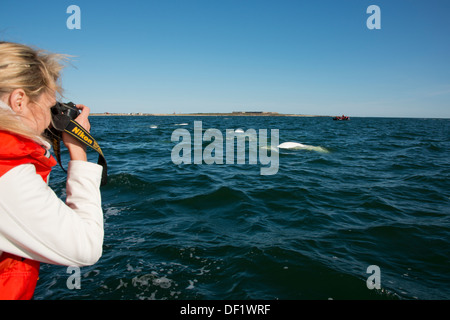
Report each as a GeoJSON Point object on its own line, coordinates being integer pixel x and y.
{"type": "Point", "coordinates": [35, 225]}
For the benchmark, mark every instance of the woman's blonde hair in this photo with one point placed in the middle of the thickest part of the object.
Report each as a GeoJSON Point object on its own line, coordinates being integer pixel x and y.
{"type": "Point", "coordinates": [32, 70]}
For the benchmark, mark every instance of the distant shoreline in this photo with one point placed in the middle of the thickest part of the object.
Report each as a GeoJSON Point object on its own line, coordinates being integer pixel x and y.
{"type": "Point", "coordinates": [230, 114]}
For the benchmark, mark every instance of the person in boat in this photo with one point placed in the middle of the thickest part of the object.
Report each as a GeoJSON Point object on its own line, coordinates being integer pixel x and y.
{"type": "Point", "coordinates": [35, 225]}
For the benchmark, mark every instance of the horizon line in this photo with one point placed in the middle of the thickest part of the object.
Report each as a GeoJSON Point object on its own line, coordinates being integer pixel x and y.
{"type": "Point", "coordinates": [249, 113]}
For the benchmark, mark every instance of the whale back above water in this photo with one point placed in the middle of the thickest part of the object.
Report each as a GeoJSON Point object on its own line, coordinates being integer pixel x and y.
{"type": "Point", "coordinates": [301, 146]}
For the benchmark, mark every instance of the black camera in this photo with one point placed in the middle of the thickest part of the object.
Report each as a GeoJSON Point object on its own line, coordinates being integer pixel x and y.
{"type": "Point", "coordinates": [68, 109]}
{"type": "Point", "coordinates": [62, 113]}
{"type": "Point", "coordinates": [63, 120]}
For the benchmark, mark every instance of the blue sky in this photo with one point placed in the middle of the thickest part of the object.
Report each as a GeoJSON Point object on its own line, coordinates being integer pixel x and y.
{"type": "Point", "coordinates": [298, 56]}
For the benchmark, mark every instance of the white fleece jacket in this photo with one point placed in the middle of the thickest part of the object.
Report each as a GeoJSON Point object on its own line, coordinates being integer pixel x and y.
{"type": "Point", "coordinates": [36, 224]}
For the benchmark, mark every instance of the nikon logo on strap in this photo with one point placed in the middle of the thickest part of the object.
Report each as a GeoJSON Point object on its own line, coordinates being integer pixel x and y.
{"type": "Point", "coordinates": [77, 131]}
{"type": "Point", "coordinates": [80, 134]}
{"type": "Point", "coordinates": [63, 120]}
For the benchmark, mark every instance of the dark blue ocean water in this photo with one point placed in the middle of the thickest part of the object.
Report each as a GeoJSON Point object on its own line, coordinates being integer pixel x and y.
{"type": "Point", "coordinates": [379, 196]}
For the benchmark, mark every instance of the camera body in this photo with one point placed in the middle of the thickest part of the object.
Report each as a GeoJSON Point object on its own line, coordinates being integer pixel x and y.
{"type": "Point", "coordinates": [62, 113]}
{"type": "Point", "coordinates": [68, 109]}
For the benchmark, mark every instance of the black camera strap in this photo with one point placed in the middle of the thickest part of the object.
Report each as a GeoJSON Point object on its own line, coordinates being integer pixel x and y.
{"type": "Point", "coordinates": [78, 132]}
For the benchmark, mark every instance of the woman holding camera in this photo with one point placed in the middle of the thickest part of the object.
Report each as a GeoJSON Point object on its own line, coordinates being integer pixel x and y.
{"type": "Point", "coordinates": [35, 225]}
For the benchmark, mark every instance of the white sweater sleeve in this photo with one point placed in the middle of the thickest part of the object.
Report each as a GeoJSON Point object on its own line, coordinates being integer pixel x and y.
{"type": "Point", "coordinates": [36, 224]}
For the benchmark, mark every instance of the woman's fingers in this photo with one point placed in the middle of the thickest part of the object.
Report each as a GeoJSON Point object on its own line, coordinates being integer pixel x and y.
{"type": "Point", "coordinates": [83, 119]}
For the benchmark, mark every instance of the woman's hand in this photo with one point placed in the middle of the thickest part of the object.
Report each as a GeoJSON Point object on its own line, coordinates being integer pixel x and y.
{"type": "Point", "coordinates": [77, 150]}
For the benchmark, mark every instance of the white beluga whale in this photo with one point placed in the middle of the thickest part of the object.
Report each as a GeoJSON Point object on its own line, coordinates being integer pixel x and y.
{"type": "Point", "coordinates": [301, 146]}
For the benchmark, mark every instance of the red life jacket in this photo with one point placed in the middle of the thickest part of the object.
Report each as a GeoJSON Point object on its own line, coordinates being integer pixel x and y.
{"type": "Point", "coordinates": [18, 276]}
